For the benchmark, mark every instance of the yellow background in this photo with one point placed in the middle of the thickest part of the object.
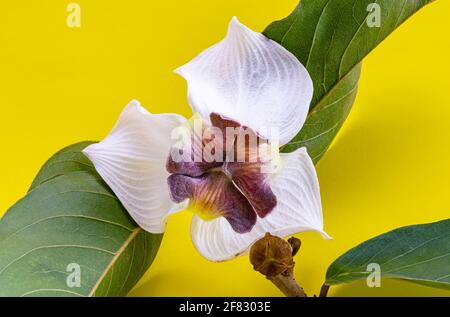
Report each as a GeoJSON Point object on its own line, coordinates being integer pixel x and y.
{"type": "Point", "coordinates": [388, 168]}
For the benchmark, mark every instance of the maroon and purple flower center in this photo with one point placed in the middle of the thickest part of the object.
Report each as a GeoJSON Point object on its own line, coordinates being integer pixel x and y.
{"type": "Point", "coordinates": [224, 170]}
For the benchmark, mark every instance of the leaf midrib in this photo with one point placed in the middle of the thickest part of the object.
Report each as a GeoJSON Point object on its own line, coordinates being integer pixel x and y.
{"type": "Point", "coordinates": [119, 252]}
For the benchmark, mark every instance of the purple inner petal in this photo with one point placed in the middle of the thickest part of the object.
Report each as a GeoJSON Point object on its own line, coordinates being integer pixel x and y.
{"type": "Point", "coordinates": [253, 184]}
{"type": "Point", "coordinates": [250, 171]}
{"type": "Point", "coordinates": [223, 174]}
{"type": "Point", "coordinates": [198, 152]}
{"type": "Point", "coordinates": [194, 169]}
{"type": "Point", "coordinates": [214, 195]}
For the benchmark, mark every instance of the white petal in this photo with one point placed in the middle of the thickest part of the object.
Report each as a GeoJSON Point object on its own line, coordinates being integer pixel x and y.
{"type": "Point", "coordinates": [251, 79]}
{"type": "Point", "coordinates": [132, 159]}
{"type": "Point", "coordinates": [298, 209]}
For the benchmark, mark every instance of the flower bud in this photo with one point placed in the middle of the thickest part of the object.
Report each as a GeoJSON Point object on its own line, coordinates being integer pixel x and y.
{"type": "Point", "coordinates": [271, 256]}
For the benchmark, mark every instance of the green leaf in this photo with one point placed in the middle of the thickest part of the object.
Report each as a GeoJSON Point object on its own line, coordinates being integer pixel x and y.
{"type": "Point", "coordinates": [71, 216]}
{"type": "Point", "coordinates": [419, 254]}
{"type": "Point", "coordinates": [331, 38]}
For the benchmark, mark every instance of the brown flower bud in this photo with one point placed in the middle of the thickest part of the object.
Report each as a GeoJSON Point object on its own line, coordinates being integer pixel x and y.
{"type": "Point", "coordinates": [271, 256]}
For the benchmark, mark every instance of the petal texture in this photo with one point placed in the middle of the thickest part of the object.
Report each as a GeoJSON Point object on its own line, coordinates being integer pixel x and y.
{"type": "Point", "coordinates": [132, 161]}
{"type": "Point", "coordinates": [298, 209]}
{"type": "Point", "coordinates": [251, 79]}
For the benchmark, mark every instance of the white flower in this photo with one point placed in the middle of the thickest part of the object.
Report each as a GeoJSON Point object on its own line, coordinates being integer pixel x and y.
{"type": "Point", "coordinates": [245, 80]}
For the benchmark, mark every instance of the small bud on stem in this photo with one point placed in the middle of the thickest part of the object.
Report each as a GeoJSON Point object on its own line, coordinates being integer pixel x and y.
{"type": "Point", "coordinates": [274, 258]}
{"type": "Point", "coordinates": [295, 244]}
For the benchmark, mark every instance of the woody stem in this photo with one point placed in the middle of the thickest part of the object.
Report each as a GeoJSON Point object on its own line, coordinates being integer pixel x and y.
{"type": "Point", "coordinates": [287, 284]}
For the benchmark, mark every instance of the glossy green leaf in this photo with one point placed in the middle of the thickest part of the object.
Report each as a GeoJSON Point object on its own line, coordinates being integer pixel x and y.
{"type": "Point", "coordinates": [331, 37]}
{"type": "Point", "coordinates": [419, 254]}
{"type": "Point", "coordinates": [70, 217]}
